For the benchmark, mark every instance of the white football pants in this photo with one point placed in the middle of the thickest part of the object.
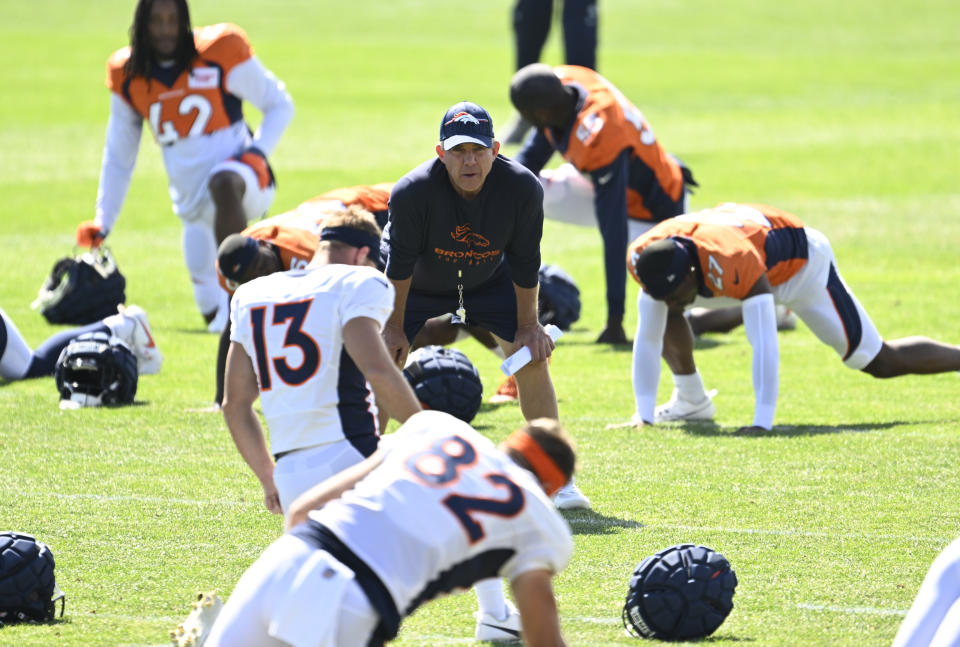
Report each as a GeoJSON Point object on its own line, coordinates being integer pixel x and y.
{"type": "Point", "coordinates": [199, 241]}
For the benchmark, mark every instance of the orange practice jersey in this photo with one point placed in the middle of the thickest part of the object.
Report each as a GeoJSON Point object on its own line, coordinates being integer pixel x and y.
{"type": "Point", "coordinates": [372, 197]}
{"type": "Point", "coordinates": [736, 244]}
{"type": "Point", "coordinates": [295, 245]}
{"type": "Point", "coordinates": [606, 124]}
{"type": "Point", "coordinates": [197, 102]}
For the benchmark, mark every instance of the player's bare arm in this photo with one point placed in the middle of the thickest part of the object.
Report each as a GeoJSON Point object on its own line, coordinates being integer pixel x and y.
{"type": "Point", "coordinates": [533, 592]}
{"type": "Point", "coordinates": [361, 337]}
{"type": "Point", "coordinates": [240, 392]}
{"type": "Point", "coordinates": [396, 340]}
{"type": "Point", "coordinates": [330, 489]}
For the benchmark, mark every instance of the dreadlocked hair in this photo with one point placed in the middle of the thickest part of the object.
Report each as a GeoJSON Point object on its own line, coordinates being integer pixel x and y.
{"type": "Point", "coordinates": [141, 55]}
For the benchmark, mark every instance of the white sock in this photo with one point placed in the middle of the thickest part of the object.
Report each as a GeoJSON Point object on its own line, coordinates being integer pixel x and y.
{"type": "Point", "coordinates": [490, 598]}
{"type": "Point", "coordinates": [690, 387]}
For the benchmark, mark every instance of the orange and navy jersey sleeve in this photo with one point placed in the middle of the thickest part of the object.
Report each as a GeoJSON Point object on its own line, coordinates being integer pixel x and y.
{"type": "Point", "coordinates": [784, 242]}
{"type": "Point", "coordinates": [116, 75]}
{"type": "Point", "coordinates": [224, 44]}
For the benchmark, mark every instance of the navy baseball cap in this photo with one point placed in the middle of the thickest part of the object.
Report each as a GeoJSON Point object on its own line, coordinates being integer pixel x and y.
{"type": "Point", "coordinates": [466, 122]}
{"type": "Point", "coordinates": [661, 266]}
{"type": "Point", "coordinates": [235, 256]}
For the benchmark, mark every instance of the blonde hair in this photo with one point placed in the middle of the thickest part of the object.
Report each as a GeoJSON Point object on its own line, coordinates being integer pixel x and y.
{"type": "Point", "coordinates": [354, 217]}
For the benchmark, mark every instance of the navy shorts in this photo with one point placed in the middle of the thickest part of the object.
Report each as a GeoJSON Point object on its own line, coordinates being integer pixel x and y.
{"type": "Point", "coordinates": [492, 306]}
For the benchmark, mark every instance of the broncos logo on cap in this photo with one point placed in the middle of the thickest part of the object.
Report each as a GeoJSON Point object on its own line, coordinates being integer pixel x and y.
{"type": "Point", "coordinates": [464, 118]}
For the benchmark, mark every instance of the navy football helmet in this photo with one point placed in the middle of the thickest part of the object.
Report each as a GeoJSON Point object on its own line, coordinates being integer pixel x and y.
{"type": "Point", "coordinates": [96, 369]}
{"type": "Point", "coordinates": [559, 298]}
{"type": "Point", "coordinates": [82, 290]}
{"type": "Point", "coordinates": [682, 593]}
{"type": "Point", "coordinates": [444, 379]}
{"type": "Point", "coordinates": [28, 589]}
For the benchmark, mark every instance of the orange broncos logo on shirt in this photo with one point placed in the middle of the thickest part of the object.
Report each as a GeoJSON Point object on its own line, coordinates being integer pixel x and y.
{"type": "Point", "coordinates": [462, 234]}
{"type": "Point", "coordinates": [197, 103]}
{"type": "Point", "coordinates": [736, 245]}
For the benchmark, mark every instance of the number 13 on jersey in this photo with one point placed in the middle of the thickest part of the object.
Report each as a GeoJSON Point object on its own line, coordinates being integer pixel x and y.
{"type": "Point", "coordinates": [281, 325]}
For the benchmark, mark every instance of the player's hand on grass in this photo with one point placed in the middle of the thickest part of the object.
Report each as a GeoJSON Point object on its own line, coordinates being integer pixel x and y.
{"type": "Point", "coordinates": [635, 422]}
{"type": "Point", "coordinates": [89, 234]}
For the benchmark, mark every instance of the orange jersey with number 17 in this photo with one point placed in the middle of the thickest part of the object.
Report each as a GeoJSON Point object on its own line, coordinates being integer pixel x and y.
{"type": "Point", "coordinates": [736, 245]}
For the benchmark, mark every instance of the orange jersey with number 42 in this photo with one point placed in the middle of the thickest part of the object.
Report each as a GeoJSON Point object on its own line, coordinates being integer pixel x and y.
{"type": "Point", "coordinates": [197, 103]}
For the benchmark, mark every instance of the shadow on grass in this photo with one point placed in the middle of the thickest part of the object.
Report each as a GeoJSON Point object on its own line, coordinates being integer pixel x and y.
{"type": "Point", "coordinates": [701, 343]}
{"type": "Point", "coordinates": [717, 638]}
{"type": "Point", "coordinates": [788, 431]}
{"type": "Point", "coordinates": [588, 522]}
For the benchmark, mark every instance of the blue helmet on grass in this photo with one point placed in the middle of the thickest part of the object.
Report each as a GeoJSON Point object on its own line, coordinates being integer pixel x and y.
{"type": "Point", "coordinates": [681, 593]}
{"type": "Point", "coordinates": [444, 379]}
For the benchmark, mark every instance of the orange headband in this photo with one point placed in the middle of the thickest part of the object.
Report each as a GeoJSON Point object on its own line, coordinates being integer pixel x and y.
{"type": "Point", "coordinates": [543, 466]}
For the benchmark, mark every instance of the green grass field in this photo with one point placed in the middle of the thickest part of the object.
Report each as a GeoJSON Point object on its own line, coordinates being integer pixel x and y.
{"type": "Point", "coordinates": [843, 113]}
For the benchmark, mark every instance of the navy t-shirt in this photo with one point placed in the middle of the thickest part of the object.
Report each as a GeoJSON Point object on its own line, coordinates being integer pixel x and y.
{"type": "Point", "coordinates": [433, 232]}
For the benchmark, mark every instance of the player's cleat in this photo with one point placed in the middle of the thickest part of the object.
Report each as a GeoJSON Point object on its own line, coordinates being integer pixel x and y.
{"type": "Point", "coordinates": [193, 631]}
{"type": "Point", "coordinates": [133, 327]}
{"type": "Point", "coordinates": [569, 497]}
{"type": "Point", "coordinates": [490, 629]}
{"type": "Point", "coordinates": [786, 318]}
{"type": "Point", "coordinates": [506, 392]}
{"type": "Point", "coordinates": [677, 409]}
{"type": "Point", "coordinates": [219, 321]}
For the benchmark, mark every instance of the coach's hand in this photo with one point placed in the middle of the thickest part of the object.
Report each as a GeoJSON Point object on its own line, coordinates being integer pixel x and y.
{"type": "Point", "coordinates": [534, 337]}
{"type": "Point", "coordinates": [89, 234]}
{"type": "Point", "coordinates": [397, 344]}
